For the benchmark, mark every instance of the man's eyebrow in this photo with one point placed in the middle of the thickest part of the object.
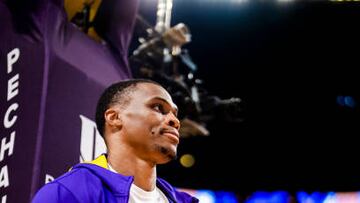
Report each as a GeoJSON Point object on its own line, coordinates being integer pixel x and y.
{"type": "Point", "coordinates": [165, 101]}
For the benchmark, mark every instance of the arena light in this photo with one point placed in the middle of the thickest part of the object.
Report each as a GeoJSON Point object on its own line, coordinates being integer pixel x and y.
{"type": "Point", "coordinates": [222, 1]}
{"type": "Point", "coordinates": [187, 160]}
{"type": "Point", "coordinates": [268, 197]}
{"type": "Point", "coordinates": [238, 1]}
{"type": "Point", "coordinates": [285, 1]}
{"type": "Point", "coordinates": [346, 101]}
{"type": "Point", "coordinates": [345, 0]}
{"type": "Point", "coordinates": [206, 196]}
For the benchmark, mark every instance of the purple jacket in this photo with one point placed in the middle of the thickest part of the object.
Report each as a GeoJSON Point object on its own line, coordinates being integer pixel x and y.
{"type": "Point", "coordinates": [92, 183]}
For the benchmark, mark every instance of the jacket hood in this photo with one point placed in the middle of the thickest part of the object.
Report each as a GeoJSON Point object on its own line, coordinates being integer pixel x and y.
{"type": "Point", "coordinates": [117, 183]}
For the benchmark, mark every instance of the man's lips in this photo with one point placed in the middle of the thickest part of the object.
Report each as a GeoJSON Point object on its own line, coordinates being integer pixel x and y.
{"type": "Point", "coordinates": [174, 134]}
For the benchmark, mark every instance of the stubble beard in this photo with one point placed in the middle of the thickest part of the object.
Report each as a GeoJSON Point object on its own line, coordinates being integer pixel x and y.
{"type": "Point", "coordinates": [171, 155]}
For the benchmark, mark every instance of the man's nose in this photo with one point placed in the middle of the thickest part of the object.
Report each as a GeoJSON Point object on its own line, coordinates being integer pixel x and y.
{"type": "Point", "coordinates": [173, 121]}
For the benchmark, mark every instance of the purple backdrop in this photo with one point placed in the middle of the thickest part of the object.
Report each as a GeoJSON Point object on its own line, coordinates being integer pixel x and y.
{"type": "Point", "coordinates": [51, 77]}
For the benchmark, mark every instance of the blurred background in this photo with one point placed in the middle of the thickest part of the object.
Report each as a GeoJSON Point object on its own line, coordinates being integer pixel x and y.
{"type": "Point", "coordinates": [294, 66]}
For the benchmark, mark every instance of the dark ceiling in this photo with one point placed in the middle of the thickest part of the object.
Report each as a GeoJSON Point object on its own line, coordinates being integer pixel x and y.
{"type": "Point", "coordinates": [288, 63]}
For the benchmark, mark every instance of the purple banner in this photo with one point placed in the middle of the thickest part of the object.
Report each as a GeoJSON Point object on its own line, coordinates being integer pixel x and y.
{"type": "Point", "coordinates": [21, 76]}
{"type": "Point", "coordinates": [51, 77]}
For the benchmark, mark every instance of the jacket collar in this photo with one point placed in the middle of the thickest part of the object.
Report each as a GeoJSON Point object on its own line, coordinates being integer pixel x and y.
{"type": "Point", "coordinates": [118, 183]}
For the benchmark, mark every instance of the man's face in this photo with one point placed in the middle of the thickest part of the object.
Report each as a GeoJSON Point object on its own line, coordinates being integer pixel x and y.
{"type": "Point", "coordinates": [149, 123]}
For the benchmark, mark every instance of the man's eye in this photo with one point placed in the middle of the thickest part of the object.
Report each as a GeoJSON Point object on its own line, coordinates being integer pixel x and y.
{"type": "Point", "coordinates": [159, 108]}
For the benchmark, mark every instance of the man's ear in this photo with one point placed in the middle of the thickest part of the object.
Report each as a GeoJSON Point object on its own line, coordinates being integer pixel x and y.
{"type": "Point", "coordinates": [112, 118]}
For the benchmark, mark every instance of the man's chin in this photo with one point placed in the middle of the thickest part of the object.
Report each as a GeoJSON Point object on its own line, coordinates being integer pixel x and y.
{"type": "Point", "coordinates": [168, 153]}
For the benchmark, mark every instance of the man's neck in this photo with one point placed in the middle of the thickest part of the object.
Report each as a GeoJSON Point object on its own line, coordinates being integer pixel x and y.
{"type": "Point", "coordinates": [129, 165]}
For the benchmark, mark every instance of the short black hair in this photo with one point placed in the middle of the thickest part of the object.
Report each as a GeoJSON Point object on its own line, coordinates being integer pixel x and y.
{"type": "Point", "coordinates": [115, 93]}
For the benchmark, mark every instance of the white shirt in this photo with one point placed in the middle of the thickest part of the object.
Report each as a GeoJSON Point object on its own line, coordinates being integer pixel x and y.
{"type": "Point", "coordinates": [138, 195]}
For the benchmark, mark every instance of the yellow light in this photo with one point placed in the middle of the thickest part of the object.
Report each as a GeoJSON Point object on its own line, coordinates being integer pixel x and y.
{"type": "Point", "coordinates": [187, 160]}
